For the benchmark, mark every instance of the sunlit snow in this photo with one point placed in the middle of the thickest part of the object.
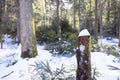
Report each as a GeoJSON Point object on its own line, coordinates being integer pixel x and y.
{"type": "Point", "coordinates": [22, 69]}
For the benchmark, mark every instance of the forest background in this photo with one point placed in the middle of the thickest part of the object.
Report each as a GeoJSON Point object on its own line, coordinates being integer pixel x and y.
{"type": "Point", "coordinates": [57, 24]}
{"type": "Point", "coordinates": [62, 19]}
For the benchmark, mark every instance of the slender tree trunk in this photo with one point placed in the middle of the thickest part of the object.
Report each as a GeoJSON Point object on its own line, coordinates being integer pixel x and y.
{"type": "Point", "coordinates": [101, 30]}
{"type": "Point", "coordinates": [96, 19]}
{"type": "Point", "coordinates": [119, 25]}
{"type": "Point", "coordinates": [79, 14]}
{"type": "Point", "coordinates": [1, 23]}
{"type": "Point", "coordinates": [58, 18]}
{"type": "Point", "coordinates": [44, 13]}
{"type": "Point", "coordinates": [90, 17]}
{"type": "Point", "coordinates": [108, 17]}
{"type": "Point", "coordinates": [2, 8]}
{"type": "Point", "coordinates": [27, 30]}
{"type": "Point", "coordinates": [119, 33]}
{"type": "Point", "coordinates": [74, 11]}
{"type": "Point", "coordinates": [49, 19]}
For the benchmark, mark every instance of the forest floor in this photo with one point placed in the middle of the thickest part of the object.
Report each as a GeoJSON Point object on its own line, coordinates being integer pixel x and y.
{"type": "Point", "coordinates": [13, 67]}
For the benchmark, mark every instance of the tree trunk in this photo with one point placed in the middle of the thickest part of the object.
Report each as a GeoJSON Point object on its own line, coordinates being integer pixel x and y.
{"type": "Point", "coordinates": [2, 7]}
{"type": "Point", "coordinates": [18, 20]}
{"type": "Point", "coordinates": [74, 11]}
{"type": "Point", "coordinates": [119, 25]}
{"type": "Point", "coordinates": [83, 59]}
{"type": "Point", "coordinates": [58, 18]}
{"type": "Point", "coordinates": [27, 30]}
{"type": "Point", "coordinates": [108, 18]}
{"type": "Point", "coordinates": [101, 30]}
{"type": "Point", "coordinates": [119, 33]}
{"type": "Point", "coordinates": [1, 23]}
{"type": "Point", "coordinates": [79, 14]}
{"type": "Point", "coordinates": [96, 19]}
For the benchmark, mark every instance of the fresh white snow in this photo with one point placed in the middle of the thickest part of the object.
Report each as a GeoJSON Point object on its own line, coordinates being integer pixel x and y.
{"type": "Point", "coordinates": [22, 69]}
{"type": "Point", "coordinates": [84, 32]}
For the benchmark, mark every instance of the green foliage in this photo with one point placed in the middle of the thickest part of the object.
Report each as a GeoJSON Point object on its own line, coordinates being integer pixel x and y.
{"type": "Point", "coordinates": [68, 41]}
{"type": "Point", "coordinates": [65, 26]}
{"type": "Point", "coordinates": [63, 47]}
{"type": "Point", "coordinates": [111, 50]}
{"type": "Point", "coordinates": [46, 35]}
{"type": "Point", "coordinates": [44, 71]}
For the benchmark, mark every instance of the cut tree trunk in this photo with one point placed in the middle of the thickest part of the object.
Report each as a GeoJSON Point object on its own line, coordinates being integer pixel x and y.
{"type": "Point", "coordinates": [83, 59]}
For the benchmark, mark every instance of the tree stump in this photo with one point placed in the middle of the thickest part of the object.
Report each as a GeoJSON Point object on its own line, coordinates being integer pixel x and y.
{"type": "Point", "coordinates": [83, 56]}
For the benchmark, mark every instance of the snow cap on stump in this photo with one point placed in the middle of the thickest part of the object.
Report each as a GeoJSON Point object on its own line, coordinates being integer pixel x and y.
{"type": "Point", "coordinates": [84, 32]}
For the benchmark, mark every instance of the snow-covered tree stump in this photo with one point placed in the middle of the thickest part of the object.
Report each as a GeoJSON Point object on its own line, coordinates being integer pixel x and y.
{"type": "Point", "coordinates": [83, 56]}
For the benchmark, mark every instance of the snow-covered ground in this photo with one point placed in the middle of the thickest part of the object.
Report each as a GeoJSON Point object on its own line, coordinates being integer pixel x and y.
{"type": "Point", "coordinates": [13, 67]}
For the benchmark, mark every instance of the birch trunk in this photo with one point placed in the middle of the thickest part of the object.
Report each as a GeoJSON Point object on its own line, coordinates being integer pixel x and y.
{"type": "Point", "coordinates": [27, 30]}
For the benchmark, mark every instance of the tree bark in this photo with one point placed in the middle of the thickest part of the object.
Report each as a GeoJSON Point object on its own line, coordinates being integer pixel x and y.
{"type": "Point", "coordinates": [18, 20]}
{"type": "Point", "coordinates": [2, 7]}
{"type": "Point", "coordinates": [1, 24]}
{"type": "Point", "coordinates": [83, 57]}
{"type": "Point", "coordinates": [27, 30]}
{"type": "Point", "coordinates": [79, 15]}
{"type": "Point", "coordinates": [119, 25]}
{"type": "Point", "coordinates": [96, 19]}
{"type": "Point", "coordinates": [119, 33]}
{"type": "Point", "coordinates": [101, 29]}
{"type": "Point", "coordinates": [58, 18]}
{"type": "Point", "coordinates": [83, 60]}
{"type": "Point", "coordinates": [74, 11]}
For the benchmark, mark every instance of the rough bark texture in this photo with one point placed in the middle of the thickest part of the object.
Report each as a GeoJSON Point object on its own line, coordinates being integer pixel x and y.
{"type": "Point", "coordinates": [83, 61]}
{"type": "Point", "coordinates": [27, 30]}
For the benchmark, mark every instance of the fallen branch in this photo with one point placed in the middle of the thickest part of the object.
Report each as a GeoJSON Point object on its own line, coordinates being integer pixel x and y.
{"type": "Point", "coordinates": [7, 74]}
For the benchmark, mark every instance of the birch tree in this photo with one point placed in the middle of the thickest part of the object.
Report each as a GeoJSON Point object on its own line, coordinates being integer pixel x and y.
{"type": "Point", "coordinates": [27, 30]}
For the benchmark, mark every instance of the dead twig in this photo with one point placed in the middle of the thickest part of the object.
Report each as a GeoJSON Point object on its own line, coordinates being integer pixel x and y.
{"type": "Point", "coordinates": [7, 74]}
